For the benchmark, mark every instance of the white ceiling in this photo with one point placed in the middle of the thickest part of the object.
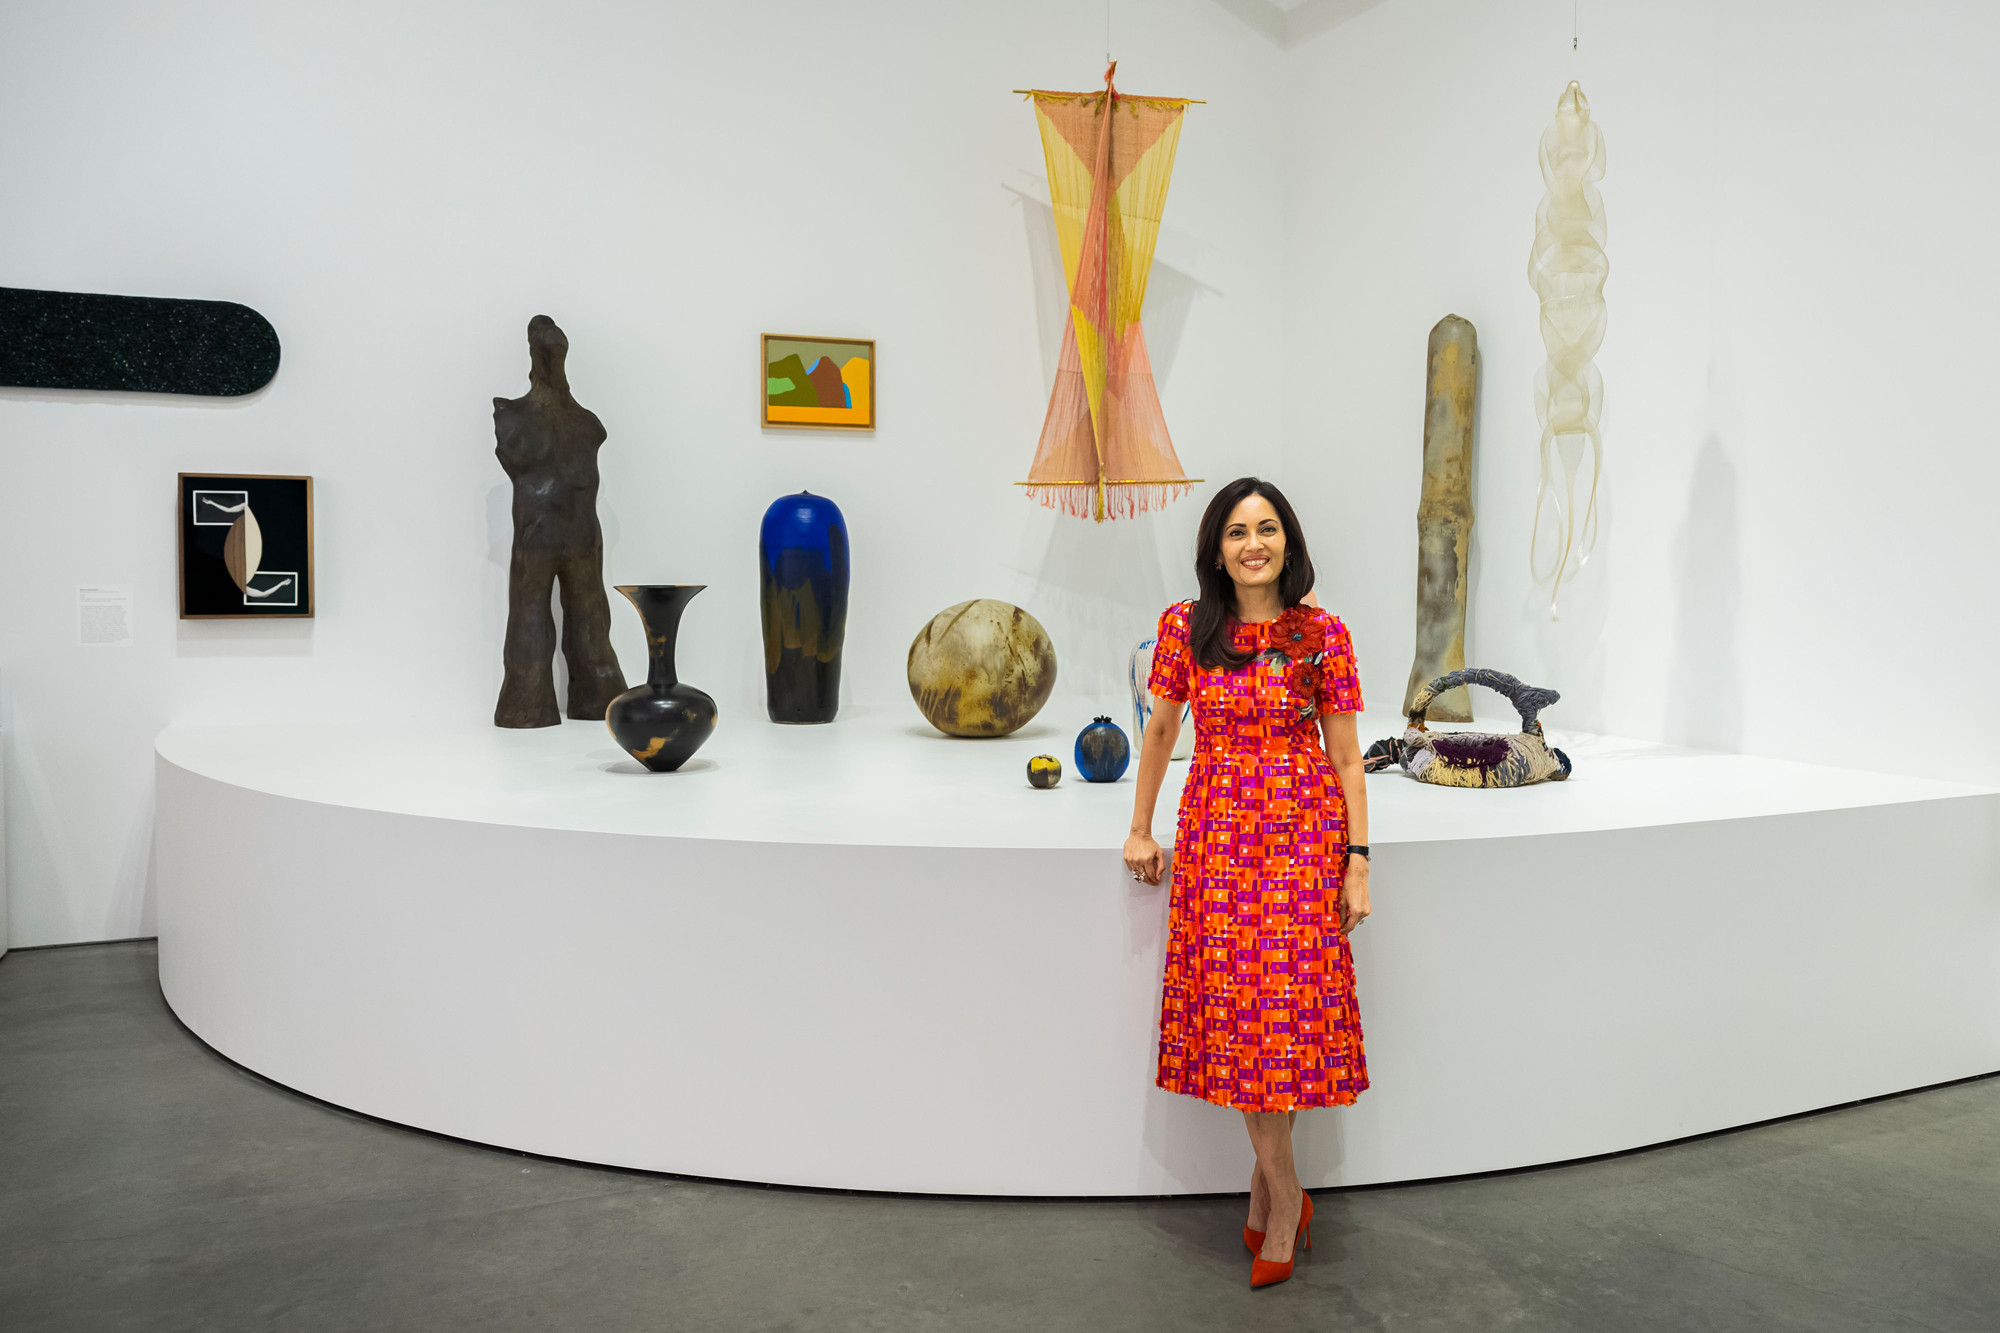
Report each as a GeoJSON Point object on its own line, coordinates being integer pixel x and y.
{"type": "Point", "coordinates": [1288, 22]}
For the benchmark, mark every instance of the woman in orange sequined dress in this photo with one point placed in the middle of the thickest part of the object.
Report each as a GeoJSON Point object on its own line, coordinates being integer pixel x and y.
{"type": "Point", "coordinates": [1270, 860]}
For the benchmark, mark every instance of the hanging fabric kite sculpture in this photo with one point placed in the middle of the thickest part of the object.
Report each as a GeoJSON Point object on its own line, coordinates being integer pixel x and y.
{"type": "Point", "coordinates": [1104, 451]}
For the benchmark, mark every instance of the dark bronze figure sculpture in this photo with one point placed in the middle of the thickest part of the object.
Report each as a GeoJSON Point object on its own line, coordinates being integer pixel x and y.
{"type": "Point", "coordinates": [548, 444]}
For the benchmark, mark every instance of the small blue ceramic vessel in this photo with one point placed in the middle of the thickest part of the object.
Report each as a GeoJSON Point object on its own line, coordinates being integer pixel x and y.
{"type": "Point", "coordinates": [1102, 752]}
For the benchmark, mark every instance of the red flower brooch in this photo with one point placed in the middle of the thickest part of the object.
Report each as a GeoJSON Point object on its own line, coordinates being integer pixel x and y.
{"type": "Point", "coordinates": [1298, 641]}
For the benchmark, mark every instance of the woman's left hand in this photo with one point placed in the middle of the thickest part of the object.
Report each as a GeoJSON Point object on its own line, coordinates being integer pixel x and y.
{"type": "Point", "coordinates": [1354, 894]}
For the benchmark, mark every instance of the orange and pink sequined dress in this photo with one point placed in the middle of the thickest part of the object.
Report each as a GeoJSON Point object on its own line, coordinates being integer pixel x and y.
{"type": "Point", "coordinates": [1257, 1011]}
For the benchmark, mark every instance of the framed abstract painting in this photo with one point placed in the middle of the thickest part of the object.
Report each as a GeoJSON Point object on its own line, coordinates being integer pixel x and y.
{"type": "Point", "coordinates": [245, 546]}
{"type": "Point", "coordinates": [819, 383]}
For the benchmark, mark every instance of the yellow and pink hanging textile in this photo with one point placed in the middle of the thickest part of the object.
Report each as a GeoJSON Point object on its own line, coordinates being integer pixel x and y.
{"type": "Point", "coordinates": [1105, 452]}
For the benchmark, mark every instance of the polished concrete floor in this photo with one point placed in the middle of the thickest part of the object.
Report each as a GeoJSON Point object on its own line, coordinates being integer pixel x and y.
{"type": "Point", "coordinates": [147, 1184]}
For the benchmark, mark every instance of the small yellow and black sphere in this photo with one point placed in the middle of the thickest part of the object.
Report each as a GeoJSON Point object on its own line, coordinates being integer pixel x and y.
{"type": "Point", "coordinates": [1044, 771]}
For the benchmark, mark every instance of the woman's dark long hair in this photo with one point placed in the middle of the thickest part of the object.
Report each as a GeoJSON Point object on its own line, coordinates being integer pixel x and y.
{"type": "Point", "coordinates": [1209, 632]}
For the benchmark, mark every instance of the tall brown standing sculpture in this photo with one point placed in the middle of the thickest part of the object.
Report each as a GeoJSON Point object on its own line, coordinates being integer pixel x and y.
{"type": "Point", "coordinates": [548, 444]}
{"type": "Point", "coordinates": [1444, 516]}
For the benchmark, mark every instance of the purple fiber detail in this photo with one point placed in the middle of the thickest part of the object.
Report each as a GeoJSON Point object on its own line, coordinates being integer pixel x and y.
{"type": "Point", "coordinates": [1485, 752]}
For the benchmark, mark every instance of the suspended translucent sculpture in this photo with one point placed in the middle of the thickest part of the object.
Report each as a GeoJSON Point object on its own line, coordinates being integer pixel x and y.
{"type": "Point", "coordinates": [1104, 451]}
{"type": "Point", "coordinates": [1567, 268]}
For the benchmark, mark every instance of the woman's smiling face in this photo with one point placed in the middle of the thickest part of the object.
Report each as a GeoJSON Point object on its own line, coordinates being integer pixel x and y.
{"type": "Point", "coordinates": [1253, 543]}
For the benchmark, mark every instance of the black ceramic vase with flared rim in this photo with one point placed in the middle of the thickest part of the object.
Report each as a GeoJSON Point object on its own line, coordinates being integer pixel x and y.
{"type": "Point", "coordinates": [663, 722]}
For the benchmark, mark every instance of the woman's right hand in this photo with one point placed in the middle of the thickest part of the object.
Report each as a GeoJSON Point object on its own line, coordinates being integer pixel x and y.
{"type": "Point", "coordinates": [1144, 858]}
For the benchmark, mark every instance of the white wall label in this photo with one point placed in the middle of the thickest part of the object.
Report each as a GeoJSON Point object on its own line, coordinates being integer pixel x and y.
{"type": "Point", "coordinates": [104, 615]}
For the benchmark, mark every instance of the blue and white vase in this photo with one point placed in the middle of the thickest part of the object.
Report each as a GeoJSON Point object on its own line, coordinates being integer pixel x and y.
{"type": "Point", "coordinates": [1142, 703]}
{"type": "Point", "coordinates": [802, 586]}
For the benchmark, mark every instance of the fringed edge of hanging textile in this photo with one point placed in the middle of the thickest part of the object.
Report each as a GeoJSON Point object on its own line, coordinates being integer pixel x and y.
{"type": "Point", "coordinates": [1124, 499]}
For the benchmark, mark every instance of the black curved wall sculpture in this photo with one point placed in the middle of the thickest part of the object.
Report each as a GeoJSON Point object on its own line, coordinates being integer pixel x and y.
{"type": "Point", "coordinates": [138, 344]}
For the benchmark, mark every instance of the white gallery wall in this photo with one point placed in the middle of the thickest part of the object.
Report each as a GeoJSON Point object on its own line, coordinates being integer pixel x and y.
{"type": "Point", "coordinates": [1801, 456]}
{"type": "Point", "coordinates": [1798, 460]}
{"type": "Point", "coordinates": [400, 187]}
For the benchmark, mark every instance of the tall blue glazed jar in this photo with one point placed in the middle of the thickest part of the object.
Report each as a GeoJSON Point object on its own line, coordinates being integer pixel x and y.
{"type": "Point", "coordinates": [802, 584]}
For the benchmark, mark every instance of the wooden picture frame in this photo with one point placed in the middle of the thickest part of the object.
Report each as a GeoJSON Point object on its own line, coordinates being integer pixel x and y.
{"type": "Point", "coordinates": [209, 547]}
{"type": "Point", "coordinates": [791, 372]}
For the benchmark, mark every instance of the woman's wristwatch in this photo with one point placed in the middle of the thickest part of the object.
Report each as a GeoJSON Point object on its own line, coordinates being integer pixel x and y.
{"type": "Point", "coordinates": [1359, 849]}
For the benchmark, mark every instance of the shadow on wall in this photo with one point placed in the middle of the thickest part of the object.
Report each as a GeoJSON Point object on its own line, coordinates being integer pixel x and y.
{"type": "Point", "coordinates": [101, 399]}
{"type": "Point", "coordinates": [1170, 297]}
{"type": "Point", "coordinates": [39, 852]}
{"type": "Point", "coordinates": [1705, 694]}
{"type": "Point", "coordinates": [133, 896]}
{"type": "Point", "coordinates": [1107, 582]}
{"type": "Point", "coordinates": [243, 638]}
{"type": "Point", "coordinates": [499, 535]}
{"type": "Point", "coordinates": [1573, 646]}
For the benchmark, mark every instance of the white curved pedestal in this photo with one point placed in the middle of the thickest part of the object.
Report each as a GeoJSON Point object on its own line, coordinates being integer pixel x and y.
{"type": "Point", "coordinates": [866, 956]}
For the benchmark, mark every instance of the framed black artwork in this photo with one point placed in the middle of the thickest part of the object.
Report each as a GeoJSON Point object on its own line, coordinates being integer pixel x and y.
{"type": "Point", "coordinates": [245, 547]}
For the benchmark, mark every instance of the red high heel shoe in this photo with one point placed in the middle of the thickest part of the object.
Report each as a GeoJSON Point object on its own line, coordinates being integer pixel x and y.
{"type": "Point", "coordinates": [1253, 1241]}
{"type": "Point", "coordinates": [1265, 1273]}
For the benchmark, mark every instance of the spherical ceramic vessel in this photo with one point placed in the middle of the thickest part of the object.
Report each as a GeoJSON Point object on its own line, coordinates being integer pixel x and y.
{"type": "Point", "coordinates": [981, 668]}
{"type": "Point", "coordinates": [663, 722]}
{"type": "Point", "coordinates": [1102, 752]}
{"type": "Point", "coordinates": [1044, 771]}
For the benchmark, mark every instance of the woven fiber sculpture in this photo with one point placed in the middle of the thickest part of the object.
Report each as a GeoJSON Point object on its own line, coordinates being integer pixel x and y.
{"type": "Point", "coordinates": [1105, 451]}
{"type": "Point", "coordinates": [1476, 758]}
